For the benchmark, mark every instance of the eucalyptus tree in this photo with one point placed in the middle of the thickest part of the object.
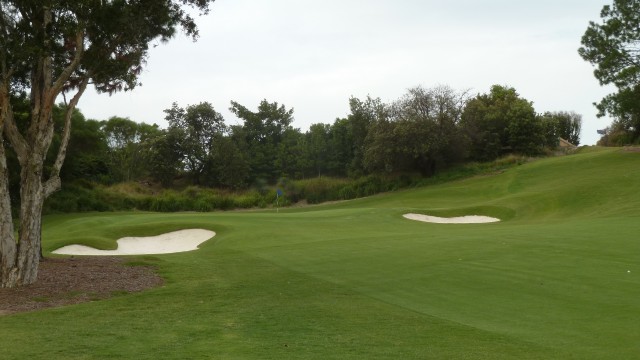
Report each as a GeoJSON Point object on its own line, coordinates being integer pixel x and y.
{"type": "Point", "coordinates": [52, 49]}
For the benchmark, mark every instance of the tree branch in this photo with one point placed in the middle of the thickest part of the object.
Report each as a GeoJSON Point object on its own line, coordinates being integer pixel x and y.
{"type": "Point", "coordinates": [6, 119]}
{"type": "Point", "coordinates": [53, 184]}
{"type": "Point", "coordinates": [58, 85]}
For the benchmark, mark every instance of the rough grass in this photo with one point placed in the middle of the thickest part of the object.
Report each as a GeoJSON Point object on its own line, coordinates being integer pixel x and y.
{"type": "Point", "coordinates": [559, 278]}
{"type": "Point", "coordinates": [84, 196]}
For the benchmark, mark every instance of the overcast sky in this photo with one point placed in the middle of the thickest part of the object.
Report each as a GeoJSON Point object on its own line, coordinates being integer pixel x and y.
{"type": "Point", "coordinates": [314, 55]}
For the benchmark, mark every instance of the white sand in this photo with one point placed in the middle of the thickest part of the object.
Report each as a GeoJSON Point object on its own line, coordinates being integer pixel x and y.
{"type": "Point", "coordinates": [173, 242]}
{"type": "Point", "coordinates": [471, 219]}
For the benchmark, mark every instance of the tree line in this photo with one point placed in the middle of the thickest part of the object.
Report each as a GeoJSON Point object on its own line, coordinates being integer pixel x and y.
{"type": "Point", "coordinates": [425, 130]}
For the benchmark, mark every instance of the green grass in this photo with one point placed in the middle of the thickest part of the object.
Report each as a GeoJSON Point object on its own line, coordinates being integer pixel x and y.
{"type": "Point", "coordinates": [558, 279]}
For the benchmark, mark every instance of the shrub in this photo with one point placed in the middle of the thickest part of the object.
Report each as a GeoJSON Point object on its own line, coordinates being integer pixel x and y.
{"type": "Point", "coordinates": [248, 200]}
{"type": "Point", "coordinates": [87, 196]}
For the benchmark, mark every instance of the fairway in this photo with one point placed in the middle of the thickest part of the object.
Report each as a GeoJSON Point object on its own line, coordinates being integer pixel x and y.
{"type": "Point", "coordinates": [557, 278]}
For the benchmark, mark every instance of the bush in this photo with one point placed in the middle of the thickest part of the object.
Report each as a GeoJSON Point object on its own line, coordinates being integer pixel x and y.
{"type": "Point", "coordinates": [86, 196]}
{"type": "Point", "coordinates": [319, 189]}
{"type": "Point", "coordinates": [248, 200]}
{"type": "Point", "coordinates": [166, 203]}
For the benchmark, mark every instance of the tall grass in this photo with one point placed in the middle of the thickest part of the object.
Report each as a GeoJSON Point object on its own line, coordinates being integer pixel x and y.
{"type": "Point", "coordinates": [122, 197]}
{"type": "Point", "coordinates": [323, 189]}
{"type": "Point", "coordinates": [84, 196]}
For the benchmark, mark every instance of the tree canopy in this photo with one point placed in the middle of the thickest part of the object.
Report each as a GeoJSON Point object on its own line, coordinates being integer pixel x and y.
{"type": "Point", "coordinates": [50, 48]}
{"type": "Point", "coordinates": [501, 122]}
{"type": "Point", "coordinates": [199, 125]}
{"type": "Point", "coordinates": [263, 132]}
{"type": "Point", "coordinates": [613, 47]}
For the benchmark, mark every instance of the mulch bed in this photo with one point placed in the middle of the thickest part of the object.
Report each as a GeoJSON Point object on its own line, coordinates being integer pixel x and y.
{"type": "Point", "coordinates": [65, 281]}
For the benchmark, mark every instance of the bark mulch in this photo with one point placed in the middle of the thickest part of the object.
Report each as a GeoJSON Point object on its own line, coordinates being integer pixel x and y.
{"type": "Point", "coordinates": [74, 280]}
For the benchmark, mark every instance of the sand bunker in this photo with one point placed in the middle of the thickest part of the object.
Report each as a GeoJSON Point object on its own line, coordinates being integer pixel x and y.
{"type": "Point", "coordinates": [173, 242]}
{"type": "Point", "coordinates": [471, 219]}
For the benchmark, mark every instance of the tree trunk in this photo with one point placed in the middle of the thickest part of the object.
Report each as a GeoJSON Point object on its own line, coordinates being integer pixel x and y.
{"type": "Point", "coordinates": [31, 201]}
{"type": "Point", "coordinates": [19, 262]}
{"type": "Point", "coordinates": [8, 248]}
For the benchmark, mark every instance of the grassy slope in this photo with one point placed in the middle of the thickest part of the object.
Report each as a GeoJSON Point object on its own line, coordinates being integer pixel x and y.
{"type": "Point", "coordinates": [356, 280]}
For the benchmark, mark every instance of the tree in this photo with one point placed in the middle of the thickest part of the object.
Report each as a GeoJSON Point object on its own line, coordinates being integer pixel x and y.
{"type": "Point", "coordinates": [618, 134]}
{"type": "Point", "coordinates": [381, 147]}
{"type": "Point", "coordinates": [550, 131]}
{"type": "Point", "coordinates": [438, 109]}
{"type": "Point", "coordinates": [229, 164]}
{"type": "Point", "coordinates": [87, 157]}
{"type": "Point", "coordinates": [419, 133]}
{"type": "Point", "coordinates": [562, 124]}
{"type": "Point", "coordinates": [317, 147]}
{"type": "Point", "coordinates": [50, 48]}
{"type": "Point", "coordinates": [569, 126]}
{"type": "Point", "coordinates": [128, 141]}
{"type": "Point", "coordinates": [165, 155]}
{"type": "Point", "coordinates": [200, 124]}
{"type": "Point", "coordinates": [526, 132]}
{"type": "Point", "coordinates": [87, 153]}
{"type": "Point", "coordinates": [501, 122]}
{"type": "Point", "coordinates": [341, 147]}
{"type": "Point", "coordinates": [364, 113]}
{"type": "Point", "coordinates": [290, 159]}
{"type": "Point", "coordinates": [264, 131]}
{"type": "Point", "coordinates": [612, 47]}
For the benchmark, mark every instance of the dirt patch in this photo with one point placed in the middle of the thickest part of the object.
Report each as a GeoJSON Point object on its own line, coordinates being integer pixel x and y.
{"type": "Point", "coordinates": [76, 280]}
{"type": "Point", "coordinates": [631, 149]}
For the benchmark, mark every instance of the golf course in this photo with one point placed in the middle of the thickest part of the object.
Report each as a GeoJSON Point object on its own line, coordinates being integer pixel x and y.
{"type": "Point", "coordinates": [558, 277]}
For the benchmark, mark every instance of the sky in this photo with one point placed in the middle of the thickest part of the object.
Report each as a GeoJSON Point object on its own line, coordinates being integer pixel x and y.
{"type": "Point", "coordinates": [313, 56]}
